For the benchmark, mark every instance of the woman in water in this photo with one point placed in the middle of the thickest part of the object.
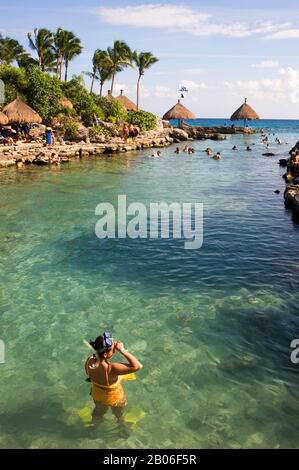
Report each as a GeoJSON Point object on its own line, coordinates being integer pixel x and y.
{"type": "Point", "coordinates": [106, 377]}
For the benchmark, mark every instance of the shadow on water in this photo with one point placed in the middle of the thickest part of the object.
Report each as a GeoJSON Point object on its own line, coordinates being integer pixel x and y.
{"type": "Point", "coordinates": [43, 419]}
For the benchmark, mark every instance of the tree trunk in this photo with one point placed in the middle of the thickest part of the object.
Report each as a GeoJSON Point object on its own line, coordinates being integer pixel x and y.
{"type": "Point", "coordinates": [92, 82]}
{"type": "Point", "coordinates": [66, 69]}
{"type": "Point", "coordinates": [60, 69]}
{"type": "Point", "coordinates": [112, 82]}
{"type": "Point", "coordinates": [138, 88]}
{"type": "Point", "coordinates": [101, 88]}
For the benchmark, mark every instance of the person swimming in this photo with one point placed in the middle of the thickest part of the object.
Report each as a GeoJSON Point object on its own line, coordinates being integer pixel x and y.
{"type": "Point", "coordinates": [177, 150]}
{"type": "Point", "coordinates": [208, 151]}
{"type": "Point", "coordinates": [234, 148]}
{"type": "Point", "coordinates": [217, 156]}
{"type": "Point", "coordinates": [106, 377]}
{"type": "Point", "coordinates": [248, 148]}
{"type": "Point", "coordinates": [156, 154]}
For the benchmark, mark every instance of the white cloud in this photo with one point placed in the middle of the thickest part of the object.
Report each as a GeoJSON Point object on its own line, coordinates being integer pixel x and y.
{"type": "Point", "coordinates": [284, 34]}
{"type": "Point", "coordinates": [284, 86]}
{"type": "Point", "coordinates": [266, 64]}
{"type": "Point", "coordinates": [181, 18]}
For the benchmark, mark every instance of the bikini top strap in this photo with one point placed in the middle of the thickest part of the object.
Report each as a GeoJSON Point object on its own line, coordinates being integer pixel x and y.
{"type": "Point", "coordinates": [107, 374]}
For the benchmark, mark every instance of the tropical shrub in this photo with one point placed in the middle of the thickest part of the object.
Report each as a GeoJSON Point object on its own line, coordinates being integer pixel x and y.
{"type": "Point", "coordinates": [15, 81]}
{"type": "Point", "coordinates": [143, 119]}
{"type": "Point", "coordinates": [70, 126]}
{"type": "Point", "coordinates": [83, 102]}
{"type": "Point", "coordinates": [113, 110]}
{"type": "Point", "coordinates": [43, 94]}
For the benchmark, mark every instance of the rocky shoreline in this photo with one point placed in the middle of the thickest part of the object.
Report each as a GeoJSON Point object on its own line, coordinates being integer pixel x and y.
{"type": "Point", "coordinates": [40, 154]}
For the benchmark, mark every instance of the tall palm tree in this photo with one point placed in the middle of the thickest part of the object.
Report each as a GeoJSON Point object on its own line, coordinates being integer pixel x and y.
{"type": "Point", "coordinates": [41, 41]}
{"type": "Point", "coordinates": [121, 57]}
{"type": "Point", "coordinates": [72, 49]}
{"type": "Point", "coordinates": [66, 47]}
{"type": "Point", "coordinates": [143, 61]}
{"type": "Point", "coordinates": [101, 69]}
{"type": "Point", "coordinates": [10, 50]}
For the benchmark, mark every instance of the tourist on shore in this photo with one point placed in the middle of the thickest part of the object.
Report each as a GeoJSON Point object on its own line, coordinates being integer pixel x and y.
{"type": "Point", "coordinates": [125, 132]}
{"type": "Point", "coordinates": [133, 131]}
{"type": "Point", "coordinates": [95, 120]}
{"type": "Point", "coordinates": [106, 378]}
{"type": "Point", "coordinates": [49, 136]}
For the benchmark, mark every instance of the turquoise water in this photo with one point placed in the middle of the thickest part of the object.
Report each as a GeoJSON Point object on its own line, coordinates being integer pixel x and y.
{"type": "Point", "coordinates": [212, 326]}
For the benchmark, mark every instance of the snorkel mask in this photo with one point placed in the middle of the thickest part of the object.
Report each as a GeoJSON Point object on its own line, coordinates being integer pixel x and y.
{"type": "Point", "coordinates": [107, 342]}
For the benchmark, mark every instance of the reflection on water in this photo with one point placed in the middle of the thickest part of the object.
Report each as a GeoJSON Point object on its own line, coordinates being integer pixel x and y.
{"type": "Point", "coordinates": [212, 327]}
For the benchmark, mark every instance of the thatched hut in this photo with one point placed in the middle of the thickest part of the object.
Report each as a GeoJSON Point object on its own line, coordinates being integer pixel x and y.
{"type": "Point", "coordinates": [244, 113]}
{"type": "Point", "coordinates": [3, 119]}
{"type": "Point", "coordinates": [180, 112]}
{"type": "Point", "coordinates": [19, 112]}
{"type": "Point", "coordinates": [128, 104]}
{"type": "Point", "coordinates": [66, 103]}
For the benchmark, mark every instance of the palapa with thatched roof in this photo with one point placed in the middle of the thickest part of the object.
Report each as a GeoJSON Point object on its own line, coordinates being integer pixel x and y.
{"type": "Point", "coordinates": [128, 104]}
{"type": "Point", "coordinates": [244, 113]}
{"type": "Point", "coordinates": [19, 112]}
{"type": "Point", "coordinates": [3, 119]}
{"type": "Point", "coordinates": [179, 111]}
{"type": "Point", "coordinates": [66, 103]}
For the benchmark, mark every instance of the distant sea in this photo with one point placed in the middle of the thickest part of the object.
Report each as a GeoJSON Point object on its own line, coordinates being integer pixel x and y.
{"type": "Point", "coordinates": [269, 125]}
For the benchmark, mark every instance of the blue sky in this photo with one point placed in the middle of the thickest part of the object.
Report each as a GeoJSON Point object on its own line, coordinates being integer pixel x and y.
{"type": "Point", "coordinates": [222, 51]}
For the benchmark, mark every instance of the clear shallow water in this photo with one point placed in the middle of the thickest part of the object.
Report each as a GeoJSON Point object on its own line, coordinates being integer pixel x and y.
{"type": "Point", "coordinates": [212, 327]}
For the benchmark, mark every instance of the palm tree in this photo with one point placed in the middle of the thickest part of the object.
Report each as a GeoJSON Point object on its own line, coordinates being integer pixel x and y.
{"type": "Point", "coordinates": [121, 57]}
{"type": "Point", "coordinates": [143, 61]}
{"type": "Point", "coordinates": [41, 41]}
{"type": "Point", "coordinates": [66, 47]}
{"type": "Point", "coordinates": [72, 49]}
{"type": "Point", "coordinates": [10, 50]}
{"type": "Point", "coordinates": [101, 69]}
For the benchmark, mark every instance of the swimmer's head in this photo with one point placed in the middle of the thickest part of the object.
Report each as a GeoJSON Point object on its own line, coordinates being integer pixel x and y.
{"type": "Point", "coordinates": [104, 345]}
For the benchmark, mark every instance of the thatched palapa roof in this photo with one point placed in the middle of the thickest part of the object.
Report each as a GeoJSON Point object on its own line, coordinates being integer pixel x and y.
{"type": "Point", "coordinates": [179, 111]}
{"type": "Point", "coordinates": [66, 103]}
{"type": "Point", "coordinates": [3, 119]}
{"type": "Point", "coordinates": [244, 113]}
{"type": "Point", "coordinates": [19, 112]}
{"type": "Point", "coordinates": [128, 104]}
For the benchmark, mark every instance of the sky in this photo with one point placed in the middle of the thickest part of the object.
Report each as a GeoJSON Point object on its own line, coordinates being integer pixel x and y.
{"type": "Point", "coordinates": [221, 50]}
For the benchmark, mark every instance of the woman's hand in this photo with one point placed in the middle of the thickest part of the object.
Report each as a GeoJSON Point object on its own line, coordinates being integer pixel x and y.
{"type": "Point", "coordinates": [119, 346]}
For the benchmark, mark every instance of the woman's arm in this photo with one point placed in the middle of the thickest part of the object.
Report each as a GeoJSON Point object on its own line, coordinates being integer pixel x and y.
{"type": "Point", "coordinates": [133, 364]}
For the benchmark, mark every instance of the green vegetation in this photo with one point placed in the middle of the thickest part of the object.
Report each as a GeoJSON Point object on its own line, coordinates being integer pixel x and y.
{"type": "Point", "coordinates": [41, 80]}
{"type": "Point", "coordinates": [43, 94]}
{"type": "Point", "coordinates": [111, 108]}
{"type": "Point", "coordinates": [144, 120]}
{"type": "Point", "coordinates": [83, 102]}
